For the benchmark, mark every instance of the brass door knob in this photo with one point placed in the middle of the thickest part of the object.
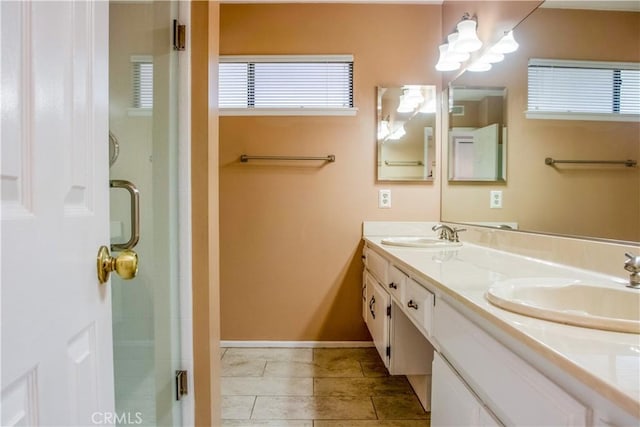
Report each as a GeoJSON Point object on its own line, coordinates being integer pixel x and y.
{"type": "Point", "coordinates": [125, 264]}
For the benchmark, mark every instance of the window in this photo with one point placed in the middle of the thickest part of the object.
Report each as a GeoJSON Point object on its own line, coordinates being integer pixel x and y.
{"type": "Point", "coordinates": [141, 85]}
{"type": "Point", "coordinates": [286, 85]}
{"type": "Point", "coordinates": [583, 90]}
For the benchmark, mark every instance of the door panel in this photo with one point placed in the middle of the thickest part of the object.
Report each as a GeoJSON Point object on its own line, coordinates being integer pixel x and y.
{"type": "Point", "coordinates": [57, 364]}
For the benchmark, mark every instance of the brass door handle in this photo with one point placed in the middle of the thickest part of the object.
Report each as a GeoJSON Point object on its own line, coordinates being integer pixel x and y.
{"type": "Point", "coordinates": [125, 264]}
{"type": "Point", "coordinates": [135, 213]}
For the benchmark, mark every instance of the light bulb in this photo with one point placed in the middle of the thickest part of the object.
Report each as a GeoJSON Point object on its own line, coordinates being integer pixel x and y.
{"type": "Point", "coordinates": [491, 57]}
{"type": "Point", "coordinates": [468, 40]}
{"type": "Point", "coordinates": [452, 54]}
{"type": "Point", "coordinates": [444, 63]}
{"type": "Point", "coordinates": [479, 66]}
{"type": "Point", "coordinates": [398, 133]}
{"type": "Point", "coordinates": [506, 44]}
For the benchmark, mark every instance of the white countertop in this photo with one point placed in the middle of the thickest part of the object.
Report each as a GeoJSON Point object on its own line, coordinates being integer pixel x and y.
{"type": "Point", "coordinates": [607, 362]}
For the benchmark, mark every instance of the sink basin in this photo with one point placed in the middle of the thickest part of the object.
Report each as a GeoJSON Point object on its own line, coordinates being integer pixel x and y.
{"type": "Point", "coordinates": [419, 242]}
{"type": "Point", "coordinates": [570, 301]}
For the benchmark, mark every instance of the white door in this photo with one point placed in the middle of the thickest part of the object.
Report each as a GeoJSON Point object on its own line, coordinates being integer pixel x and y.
{"type": "Point", "coordinates": [485, 153]}
{"type": "Point", "coordinates": [57, 365]}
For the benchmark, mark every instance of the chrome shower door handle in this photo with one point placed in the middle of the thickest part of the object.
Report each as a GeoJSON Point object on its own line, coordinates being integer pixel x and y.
{"type": "Point", "coordinates": [135, 214]}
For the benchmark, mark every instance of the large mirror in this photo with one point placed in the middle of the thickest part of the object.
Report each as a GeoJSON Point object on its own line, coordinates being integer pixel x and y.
{"type": "Point", "coordinates": [406, 133]}
{"type": "Point", "coordinates": [477, 134]}
{"type": "Point", "coordinates": [594, 200]}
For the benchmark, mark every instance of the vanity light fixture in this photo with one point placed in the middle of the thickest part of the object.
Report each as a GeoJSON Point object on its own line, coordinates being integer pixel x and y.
{"type": "Point", "coordinates": [459, 45]}
{"type": "Point", "coordinates": [479, 66]}
{"type": "Point", "coordinates": [398, 133]}
{"type": "Point", "coordinates": [506, 44]}
{"type": "Point", "coordinates": [410, 99]}
{"type": "Point", "coordinates": [444, 62]}
{"type": "Point", "coordinates": [383, 129]}
{"type": "Point", "coordinates": [452, 53]}
{"type": "Point", "coordinates": [468, 40]}
{"type": "Point", "coordinates": [491, 57]}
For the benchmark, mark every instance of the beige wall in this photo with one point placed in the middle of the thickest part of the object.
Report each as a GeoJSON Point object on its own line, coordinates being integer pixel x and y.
{"type": "Point", "coordinates": [592, 201]}
{"type": "Point", "coordinates": [291, 234]}
{"type": "Point", "coordinates": [205, 218]}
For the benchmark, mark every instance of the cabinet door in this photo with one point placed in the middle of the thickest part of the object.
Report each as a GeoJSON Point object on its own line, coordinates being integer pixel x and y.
{"type": "Point", "coordinates": [452, 403]}
{"type": "Point", "coordinates": [377, 319]}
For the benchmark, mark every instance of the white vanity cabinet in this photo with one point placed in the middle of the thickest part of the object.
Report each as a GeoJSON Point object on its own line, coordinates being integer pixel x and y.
{"type": "Point", "coordinates": [452, 401]}
{"type": "Point", "coordinates": [401, 345]}
{"type": "Point", "coordinates": [513, 390]}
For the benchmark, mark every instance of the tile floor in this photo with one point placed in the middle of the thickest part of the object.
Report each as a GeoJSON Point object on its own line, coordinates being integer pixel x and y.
{"type": "Point", "coordinates": [322, 387]}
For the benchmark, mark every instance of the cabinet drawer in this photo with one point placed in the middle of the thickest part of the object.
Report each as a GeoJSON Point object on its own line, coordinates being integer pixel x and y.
{"type": "Point", "coordinates": [516, 392]}
{"type": "Point", "coordinates": [418, 303]}
{"type": "Point", "coordinates": [397, 281]}
{"type": "Point", "coordinates": [376, 265]}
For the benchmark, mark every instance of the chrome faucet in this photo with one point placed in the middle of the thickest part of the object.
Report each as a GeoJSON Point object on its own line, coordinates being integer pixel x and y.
{"type": "Point", "coordinates": [447, 233]}
{"type": "Point", "coordinates": [632, 265]}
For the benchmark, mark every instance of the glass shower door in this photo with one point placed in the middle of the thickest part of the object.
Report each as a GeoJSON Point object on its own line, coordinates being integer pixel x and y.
{"type": "Point", "coordinates": [143, 150]}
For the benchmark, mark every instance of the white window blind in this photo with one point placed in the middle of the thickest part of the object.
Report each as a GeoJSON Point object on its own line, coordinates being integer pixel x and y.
{"type": "Point", "coordinates": [286, 84]}
{"type": "Point", "coordinates": [583, 90]}
{"type": "Point", "coordinates": [142, 82]}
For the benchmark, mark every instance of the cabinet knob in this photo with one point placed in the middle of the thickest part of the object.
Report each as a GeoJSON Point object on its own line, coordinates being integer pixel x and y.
{"type": "Point", "coordinates": [392, 285]}
{"type": "Point", "coordinates": [412, 304]}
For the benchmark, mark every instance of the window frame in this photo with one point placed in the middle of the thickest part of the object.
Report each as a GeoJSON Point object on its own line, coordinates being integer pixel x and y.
{"type": "Point", "coordinates": [576, 64]}
{"type": "Point", "coordinates": [296, 111]}
{"type": "Point", "coordinates": [134, 61]}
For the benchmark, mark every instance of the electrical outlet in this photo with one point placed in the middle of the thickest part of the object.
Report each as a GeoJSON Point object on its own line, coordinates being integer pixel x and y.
{"type": "Point", "coordinates": [384, 199]}
{"type": "Point", "coordinates": [495, 201]}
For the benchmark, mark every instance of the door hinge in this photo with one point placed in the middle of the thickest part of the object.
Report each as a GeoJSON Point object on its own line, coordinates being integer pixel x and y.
{"type": "Point", "coordinates": [179, 36]}
{"type": "Point", "coordinates": [388, 351]}
{"type": "Point", "coordinates": [182, 386]}
{"type": "Point", "coordinates": [389, 310]}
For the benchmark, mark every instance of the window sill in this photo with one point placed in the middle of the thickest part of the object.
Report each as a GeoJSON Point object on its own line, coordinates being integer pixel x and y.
{"type": "Point", "coordinates": [288, 111]}
{"type": "Point", "coordinates": [140, 112]}
{"type": "Point", "coordinates": [550, 115]}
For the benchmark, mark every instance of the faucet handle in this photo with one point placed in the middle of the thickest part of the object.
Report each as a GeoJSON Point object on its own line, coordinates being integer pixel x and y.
{"type": "Point", "coordinates": [454, 234]}
{"type": "Point", "coordinates": [632, 264]}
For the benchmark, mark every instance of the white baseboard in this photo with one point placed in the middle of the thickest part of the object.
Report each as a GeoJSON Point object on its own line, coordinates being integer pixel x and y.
{"type": "Point", "coordinates": [297, 344]}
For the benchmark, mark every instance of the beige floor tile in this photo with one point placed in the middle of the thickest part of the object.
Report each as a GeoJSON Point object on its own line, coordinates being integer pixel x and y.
{"type": "Point", "coordinates": [401, 407]}
{"type": "Point", "coordinates": [267, 423]}
{"type": "Point", "coordinates": [223, 350]}
{"type": "Point", "coordinates": [374, 368]}
{"type": "Point", "coordinates": [242, 367]}
{"type": "Point", "coordinates": [263, 386]}
{"type": "Point", "coordinates": [361, 387]}
{"type": "Point", "coordinates": [369, 354]}
{"type": "Point", "coordinates": [343, 368]}
{"type": "Point", "coordinates": [372, 423]}
{"type": "Point", "coordinates": [275, 353]}
{"type": "Point", "coordinates": [313, 408]}
{"type": "Point", "coordinates": [237, 407]}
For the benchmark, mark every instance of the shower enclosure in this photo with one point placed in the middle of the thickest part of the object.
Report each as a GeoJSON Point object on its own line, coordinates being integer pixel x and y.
{"type": "Point", "coordinates": [150, 328]}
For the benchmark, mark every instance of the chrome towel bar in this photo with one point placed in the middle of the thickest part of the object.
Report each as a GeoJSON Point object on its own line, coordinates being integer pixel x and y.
{"type": "Point", "coordinates": [403, 163]}
{"type": "Point", "coordinates": [628, 163]}
{"type": "Point", "coordinates": [245, 158]}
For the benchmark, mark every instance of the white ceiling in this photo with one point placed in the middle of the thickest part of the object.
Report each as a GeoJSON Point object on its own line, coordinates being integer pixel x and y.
{"type": "Point", "coordinates": [621, 5]}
